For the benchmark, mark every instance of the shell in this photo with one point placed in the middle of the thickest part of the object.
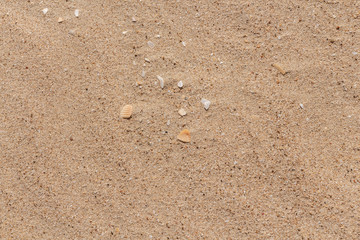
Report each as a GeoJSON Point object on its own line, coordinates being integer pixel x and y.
{"type": "Point", "coordinates": [180, 84]}
{"type": "Point", "coordinates": [161, 80]}
{"type": "Point", "coordinates": [126, 111]}
{"type": "Point", "coordinates": [182, 112]}
{"type": "Point", "coordinates": [184, 136]}
{"type": "Point", "coordinates": [279, 68]}
{"type": "Point", "coordinates": [206, 103]}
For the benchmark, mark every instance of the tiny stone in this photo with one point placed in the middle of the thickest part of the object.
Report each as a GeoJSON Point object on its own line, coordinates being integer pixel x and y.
{"type": "Point", "coordinates": [72, 32]}
{"type": "Point", "coordinates": [302, 106]}
{"type": "Point", "coordinates": [161, 80]}
{"type": "Point", "coordinates": [180, 84]}
{"type": "Point", "coordinates": [183, 43]}
{"type": "Point", "coordinates": [124, 32]}
{"type": "Point", "coordinates": [168, 122]}
{"type": "Point", "coordinates": [45, 10]}
{"type": "Point", "coordinates": [147, 60]}
{"type": "Point", "coordinates": [206, 103]}
{"type": "Point", "coordinates": [76, 12]}
{"type": "Point", "coordinates": [133, 19]}
{"type": "Point", "coordinates": [354, 53]}
{"type": "Point", "coordinates": [182, 112]}
{"type": "Point", "coordinates": [60, 20]}
{"type": "Point", "coordinates": [143, 73]}
{"type": "Point", "coordinates": [151, 44]}
{"type": "Point", "coordinates": [157, 36]}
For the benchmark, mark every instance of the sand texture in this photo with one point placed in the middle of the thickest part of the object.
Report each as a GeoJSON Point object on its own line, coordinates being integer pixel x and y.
{"type": "Point", "coordinates": [275, 156]}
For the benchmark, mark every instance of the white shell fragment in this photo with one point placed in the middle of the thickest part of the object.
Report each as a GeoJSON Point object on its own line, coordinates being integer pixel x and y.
{"type": "Point", "coordinates": [45, 10]}
{"type": "Point", "coordinates": [76, 12]}
{"type": "Point", "coordinates": [206, 103]}
{"type": "Point", "coordinates": [301, 106]}
{"type": "Point", "coordinates": [151, 44]}
{"type": "Point", "coordinates": [133, 19]}
{"type": "Point", "coordinates": [161, 80]}
{"type": "Point", "coordinates": [143, 73]}
{"type": "Point", "coordinates": [180, 84]}
{"type": "Point", "coordinates": [147, 60]}
{"type": "Point", "coordinates": [182, 112]}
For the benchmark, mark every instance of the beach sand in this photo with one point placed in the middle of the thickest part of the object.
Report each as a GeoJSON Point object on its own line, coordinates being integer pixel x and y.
{"type": "Point", "coordinates": [276, 155]}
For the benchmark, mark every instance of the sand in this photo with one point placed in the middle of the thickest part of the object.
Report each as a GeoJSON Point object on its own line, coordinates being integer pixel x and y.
{"type": "Point", "coordinates": [276, 156]}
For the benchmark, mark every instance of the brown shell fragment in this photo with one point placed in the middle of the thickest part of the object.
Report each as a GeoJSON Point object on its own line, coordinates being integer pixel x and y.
{"type": "Point", "coordinates": [279, 68]}
{"type": "Point", "coordinates": [184, 136]}
{"type": "Point", "coordinates": [126, 111]}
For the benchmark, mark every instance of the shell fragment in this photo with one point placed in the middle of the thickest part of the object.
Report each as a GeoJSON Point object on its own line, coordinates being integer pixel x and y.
{"type": "Point", "coordinates": [161, 80]}
{"type": "Point", "coordinates": [184, 136]}
{"type": "Point", "coordinates": [182, 112]}
{"type": "Point", "coordinates": [180, 84]}
{"type": "Point", "coordinates": [206, 103]}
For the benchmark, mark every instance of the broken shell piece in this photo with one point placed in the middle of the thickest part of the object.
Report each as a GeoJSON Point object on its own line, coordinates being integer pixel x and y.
{"type": "Point", "coordinates": [126, 111]}
{"type": "Point", "coordinates": [184, 136]}
{"type": "Point", "coordinates": [206, 103]}
{"type": "Point", "coordinates": [161, 80]}
{"type": "Point", "coordinates": [76, 12]}
{"type": "Point", "coordinates": [182, 112]}
{"type": "Point", "coordinates": [279, 68]}
{"type": "Point", "coordinates": [45, 10]}
{"type": "Point", "coordinates": [60, 20]}
{"type": "Point", "coordinates": [151, 44]}
{"type": "Point", "coordinates": [180, 84]}
{"type": "Point", "coordinates": [147, 60]}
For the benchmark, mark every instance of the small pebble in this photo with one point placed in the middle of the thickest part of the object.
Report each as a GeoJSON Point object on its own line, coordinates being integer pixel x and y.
{"type": "Point", "coordinates": [183, 43]}
{"type": "Point", "coordinates": [45, 10]}
{"type": "Point", "coordinates": [302, 106]}
{"type": "Point", "coordinates": [180, 84]}
{"type": "Point", "coordinates": [143, 73]}
{"type": "Point", "coordinates": [133, 19]}
{"type": "Point", "coordinates": [147, 60]}
{"type": "Point", "coordinates": [76, 12]}
{"type": "Point", "coordinates": [72, 32]}
{"type": "Point", "coordinates": [151, 44]}
{"type": "Point", "coordinates": [60, 20]}
{"type": "Point", "coordinates": [161, 80]}
{"type": "Point", "coordinates": [168, 122]}
{"type": "Point", "coordinates": [182, 112]}
{"type": "Point", "coordinates": [206, 103]}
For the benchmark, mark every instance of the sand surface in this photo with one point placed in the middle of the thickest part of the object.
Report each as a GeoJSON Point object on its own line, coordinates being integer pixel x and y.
{"type": "Point", "coordinates": [276, 156]}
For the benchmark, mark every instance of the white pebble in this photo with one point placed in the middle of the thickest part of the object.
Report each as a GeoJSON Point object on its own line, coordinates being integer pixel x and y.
{"type": "Point", "coordinates": [182, 112]}
{"type": "Point", "coordinates": [161, 80]}
{"type": "Point", "coordinates": [302, 106]}
{"type": "Point", "coordinates": [183, 43]}
{"type": "Point", "coordinates": [147, 60]}
{"type": "Point", "coordinates": [143, 73]}
{"type": "Point", "coordinates": [76, 12]}
{"type": "Point", "coordinates": [180, 84]}
{"type": "Point", "coordinates": [151, 44]}
{"type": "Point", "coordinates": [45, 10]}
{"type": "Point", "coordinates": [206, 103]}
{"type": "Point", "coordinates": [168, 122]}
{"type": "Point", "coordinates": [133, 19]}
{"type": "Point", "coordinates": [354, 53]}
